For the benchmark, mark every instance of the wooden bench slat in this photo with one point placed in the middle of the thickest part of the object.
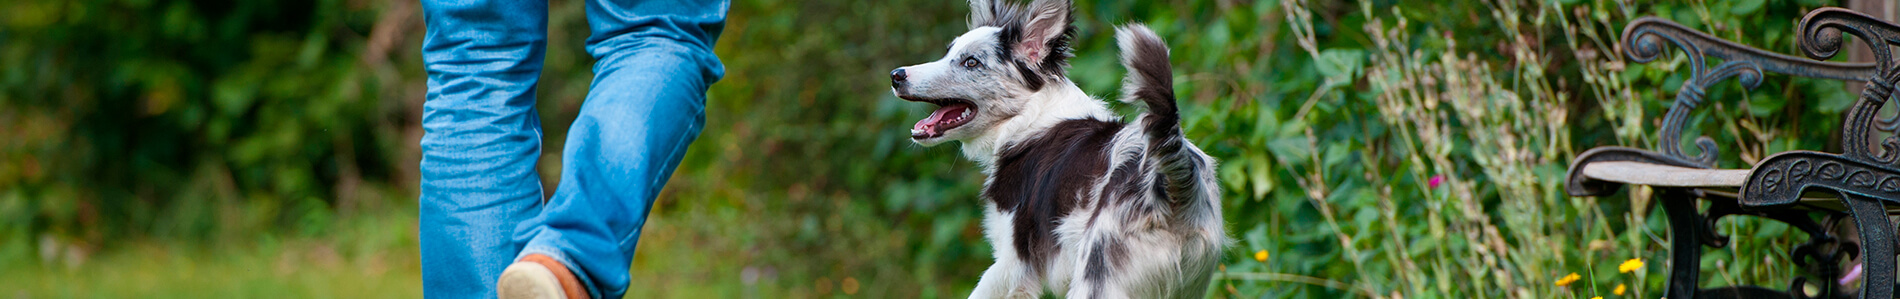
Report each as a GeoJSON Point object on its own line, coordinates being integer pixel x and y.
{"type": "Point", "coordinates": [1639, 173]}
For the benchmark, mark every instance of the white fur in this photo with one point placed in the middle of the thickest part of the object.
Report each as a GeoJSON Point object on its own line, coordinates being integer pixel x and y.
{"type": "Point", "coordinates": [1046, 108]}
{"type": "Point", "coordinates": [1175, 255]}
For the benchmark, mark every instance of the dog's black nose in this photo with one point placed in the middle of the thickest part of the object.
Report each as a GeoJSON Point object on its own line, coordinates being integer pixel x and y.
{"type": "Point", "coordinates": [898, 77]}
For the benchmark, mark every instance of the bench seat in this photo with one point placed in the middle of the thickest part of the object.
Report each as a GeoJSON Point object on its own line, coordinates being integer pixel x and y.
{"type": "Point", "coordinates": [1713, 182]}
{"type": "Point", "coordinates": [1639, 173]}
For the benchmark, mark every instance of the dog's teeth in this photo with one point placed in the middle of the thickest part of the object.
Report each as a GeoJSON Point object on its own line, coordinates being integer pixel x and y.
{"type": "Point", "coordinates": [966, 114]}
{"type": "Point", "coordinates": [915, 132]}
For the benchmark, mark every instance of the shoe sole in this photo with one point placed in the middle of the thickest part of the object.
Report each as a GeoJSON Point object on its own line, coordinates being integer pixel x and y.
{"type": "Point", "coordinates": [528, 281]}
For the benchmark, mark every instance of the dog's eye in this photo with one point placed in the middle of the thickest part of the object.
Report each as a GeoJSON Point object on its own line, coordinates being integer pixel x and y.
{"type": "Point", "coordinates": [970, 62]}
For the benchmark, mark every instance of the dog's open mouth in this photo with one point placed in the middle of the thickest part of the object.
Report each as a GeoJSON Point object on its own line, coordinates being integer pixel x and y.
{"type": "Point", "coordinates": [950, 114]}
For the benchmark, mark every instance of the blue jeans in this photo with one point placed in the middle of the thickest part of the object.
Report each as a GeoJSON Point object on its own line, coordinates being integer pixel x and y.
{"type": "Point", "coordinates": [481, 203]}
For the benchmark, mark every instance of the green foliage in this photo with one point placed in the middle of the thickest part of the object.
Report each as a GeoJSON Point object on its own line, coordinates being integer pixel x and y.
{"type": "Point", "coordinates": [195, 119]}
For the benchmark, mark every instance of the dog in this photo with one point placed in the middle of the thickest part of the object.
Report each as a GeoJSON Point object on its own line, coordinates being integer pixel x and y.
{"type": "Point", "coordinates": [1077, 201]}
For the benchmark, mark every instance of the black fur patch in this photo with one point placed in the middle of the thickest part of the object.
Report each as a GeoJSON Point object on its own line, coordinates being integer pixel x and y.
{"type": "Point", "coordinates": [1030, 78]}
{"type": "Point", "coordinates": [1176, 193]}
{"type": "Point", "coordinates": [1044, 178]}
{"type": "Point", "coordinates": [1010, 33]}
{"type": "Point", "coordinates": [1100, 261]}
{"type": "Point", "coordinates": [1011, 18]}
{"type": "Point", "coordinates": [1006, 40]}
{"type": "Point", "coordinates": [1124, 185]}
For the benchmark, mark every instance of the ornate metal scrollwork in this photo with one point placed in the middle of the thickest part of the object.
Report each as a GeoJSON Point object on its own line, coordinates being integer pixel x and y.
{"type": "Point", "coordinates": [1863, 188]}
{"type": "Point", "coordinates": [1643, 42]}
{"type": "Point", "coordinates": [1643, 39]}
{"type": "Point", "coordinates": [1820, 256]}
{"type": "Point", "coordinates": [1865, 178]}
{"type": "Point", "coordinates": [1781, 179]}
{"type": "Point", "coordinates": [1820, 37]}
{"type": "Point", "coordinates": [1729, 206]}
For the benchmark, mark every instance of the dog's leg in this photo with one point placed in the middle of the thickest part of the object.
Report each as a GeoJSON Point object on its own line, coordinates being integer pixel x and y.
{"type": "Point", "coordinates": [1003, 280]}
{"type": "Point", "coordinates": [1095, 293]}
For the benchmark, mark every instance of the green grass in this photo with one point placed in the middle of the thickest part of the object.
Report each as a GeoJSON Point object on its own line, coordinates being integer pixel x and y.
{"type": "Point", "coordinates": [369, 256]}
{"type": "Point", "coordinates": [691, 253]}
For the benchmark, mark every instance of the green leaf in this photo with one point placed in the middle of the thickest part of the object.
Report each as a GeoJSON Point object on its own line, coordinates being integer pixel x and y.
{"type": "Point", "coordinates": [1260, 173]}
{"type": "Point", "coordinates": [1340, 66]}
{"type": "Point", "coordinates": [1763, 106]}
{"type": "Point", "coordinates": [1832, 98]}
{"type": "Point", "coordinates": [1292, 150]}
{"type": "Point", "coordinates": [1233, 172]}
{"type": "Point", "coordinates": [1744, 7]}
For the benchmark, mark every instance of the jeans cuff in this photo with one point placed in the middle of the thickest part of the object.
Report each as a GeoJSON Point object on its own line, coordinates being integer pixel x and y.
{"type": "Point", "coordinates": [572, 266]}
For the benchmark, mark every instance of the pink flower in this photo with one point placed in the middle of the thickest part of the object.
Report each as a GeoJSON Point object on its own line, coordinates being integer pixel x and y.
{"type": "Point", "coordinates": [1851, 275]}
{"type": "Point", "coordinates": [1435, 181]}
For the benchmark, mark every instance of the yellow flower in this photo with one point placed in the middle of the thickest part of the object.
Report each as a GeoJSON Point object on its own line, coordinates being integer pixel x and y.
{"type": "Point", "coordinates": [1630, 265]}
{"type": "Point", "coordinates": [1597, 297]}
{"type": "Point", "coordinates": [1567, 279]}
{"type": "Point", "coordinates": [1619, 290]}
{"type": "Point", "coordinates": [1260, 256]}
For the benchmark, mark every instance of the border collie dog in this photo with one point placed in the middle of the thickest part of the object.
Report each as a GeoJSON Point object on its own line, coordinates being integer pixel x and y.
{"type": "Point", "coordinates": [1077, 201]}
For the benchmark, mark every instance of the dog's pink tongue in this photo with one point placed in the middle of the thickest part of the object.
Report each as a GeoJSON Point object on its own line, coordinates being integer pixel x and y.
{"type": "Point", "coordinates": [929, 124]}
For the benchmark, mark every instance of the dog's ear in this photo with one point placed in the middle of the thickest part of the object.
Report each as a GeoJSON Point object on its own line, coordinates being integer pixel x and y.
{"type": "Point", "coordinates": [982, 13]}
{"type": "Point", "coordinates": [1044, 39]}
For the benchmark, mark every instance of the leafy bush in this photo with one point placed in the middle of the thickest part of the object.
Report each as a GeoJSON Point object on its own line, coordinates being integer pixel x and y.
{"type": "Point", "coordinates": [196, 119]}
{"type": "Point", "coordinates": [1454, 189]}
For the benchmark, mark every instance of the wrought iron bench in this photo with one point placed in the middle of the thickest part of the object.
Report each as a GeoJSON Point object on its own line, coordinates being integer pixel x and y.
{"type": "Point", "coordinates": [1856, 186]}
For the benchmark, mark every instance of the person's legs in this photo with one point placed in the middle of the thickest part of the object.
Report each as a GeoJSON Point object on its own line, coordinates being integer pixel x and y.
{"type": "Point", "coordinates": [647, 103]}
{"type": "Point", "coordinates": [481, 140]}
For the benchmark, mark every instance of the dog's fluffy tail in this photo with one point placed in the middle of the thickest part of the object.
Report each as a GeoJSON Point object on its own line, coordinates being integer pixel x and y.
{"type": "Point", "coordinates": [1150, 79]}
{"type": "Point", "coordinates": [1184, 169]}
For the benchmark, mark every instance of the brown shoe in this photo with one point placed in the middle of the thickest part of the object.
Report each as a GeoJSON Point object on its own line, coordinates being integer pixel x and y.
{"type": "Point", "coordinates": [538, 276]}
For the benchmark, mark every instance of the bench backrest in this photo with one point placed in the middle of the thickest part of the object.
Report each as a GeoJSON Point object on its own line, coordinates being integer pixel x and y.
{"type": "Point", "coordinates": [1865, 136]}
{"type": "Point", "coordinates": [1820, 37]}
